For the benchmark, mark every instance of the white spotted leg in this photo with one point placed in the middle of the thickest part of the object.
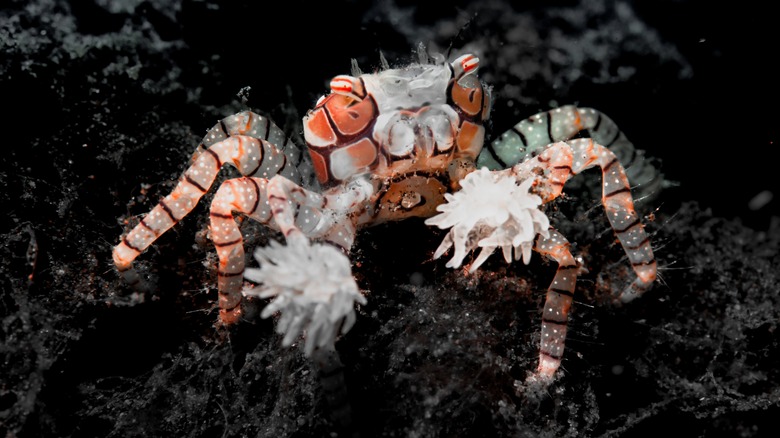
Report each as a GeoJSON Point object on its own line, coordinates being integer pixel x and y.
{"type": "Point", "coordinates": [246, 141]}
{"type": "Point", "coordinates": [558, 163]}
{"type": "Point", "coordinates": [619, 207]}
{"type": "Point", "coordinates": [530, 136]}
{"type": "Point", "coordinates": [562, 160]}
{"type": "Point", "coordinates": [560, 294]}
{"type": "Point", "coordinates": [296, 211]}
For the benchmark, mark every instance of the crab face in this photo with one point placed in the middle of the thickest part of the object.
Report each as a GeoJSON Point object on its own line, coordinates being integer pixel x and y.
{"type": "Point", "coordinates": [398, 122]}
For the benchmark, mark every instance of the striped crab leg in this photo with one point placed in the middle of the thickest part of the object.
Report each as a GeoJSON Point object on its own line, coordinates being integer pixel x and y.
{"type": "Point", "coordinates": [251, 197]}
{"type": "Point", "coordinates": [281, 205]}
{"type": "Point", "coordinates": [343, 207]}
{"type": "Point", "coordinates": [227, 144]}
{"type": "Point", "coordinates": [248, 196]}
{"type": "Point", "coordinates": [530, 136]}
{"type": "Point", "coordinates": [565, 159]}
{"type": "Point", "coordinates": [559, 162]}
{"type": "Point", "coordinates": [253, 125]}
{"type": "Point", "coordinates": [555, 316]}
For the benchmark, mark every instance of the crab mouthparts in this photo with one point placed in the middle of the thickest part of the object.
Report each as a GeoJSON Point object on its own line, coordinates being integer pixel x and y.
{"type": "Point", "coordinates": [422, 132]}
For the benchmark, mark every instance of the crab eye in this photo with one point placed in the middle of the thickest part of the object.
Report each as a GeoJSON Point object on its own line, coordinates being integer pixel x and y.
{"type": "Point", "coordinates": [349, 86]}
{"type": "Point", "coordinates": [464, 65]}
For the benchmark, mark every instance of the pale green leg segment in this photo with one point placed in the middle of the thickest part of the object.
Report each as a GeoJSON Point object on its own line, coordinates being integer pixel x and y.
{"type": "Point", "coordinates": [530, 136]}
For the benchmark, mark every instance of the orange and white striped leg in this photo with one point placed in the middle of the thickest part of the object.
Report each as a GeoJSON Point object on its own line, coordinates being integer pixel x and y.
{"type": "Point", "coordinates": [252, 197]}
{"type": "Point", "coordinates": [560, 294]}
{"type": "Point", "coordinates": [247, 196]}
{"type": "Point", "coordinates": [249, 124]}
{"type": "Point", "coordinates": [561, 161]}
{"type": "Point", "coordinates": [619, 206]}
{"type": "Point", "coordinates": [249, 155]}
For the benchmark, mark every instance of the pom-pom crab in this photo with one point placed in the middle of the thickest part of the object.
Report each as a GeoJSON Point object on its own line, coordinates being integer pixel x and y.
{"type": "Point", "coordinates": [393, 145]}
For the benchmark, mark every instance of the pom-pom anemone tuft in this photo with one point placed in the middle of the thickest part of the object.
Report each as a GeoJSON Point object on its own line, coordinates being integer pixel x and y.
{"type": "Point", "coordinates": [490, 211]}
{"type": "Point", "coordinates": [313, 291]}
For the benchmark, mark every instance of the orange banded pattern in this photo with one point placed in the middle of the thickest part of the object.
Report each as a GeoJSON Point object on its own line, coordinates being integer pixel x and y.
{"type": "Point", "coordinates": [378, 123]}
{"type": "Point", "coordinates": [557, 164]}
{"type": "Point", "coordinates": [244, 141]}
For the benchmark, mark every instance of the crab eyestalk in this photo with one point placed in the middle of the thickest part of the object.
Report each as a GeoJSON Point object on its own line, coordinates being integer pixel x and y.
{"type": "Point", "coordinates": [464, 65]}
{"type": "Point", "coordinates": [348, 86]}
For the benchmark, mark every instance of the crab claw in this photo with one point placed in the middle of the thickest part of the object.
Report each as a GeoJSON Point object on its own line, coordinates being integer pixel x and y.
{"type": "Point", "coordinates": [349, 86]}
{"type": "Point", "coordinates": [465, 65]}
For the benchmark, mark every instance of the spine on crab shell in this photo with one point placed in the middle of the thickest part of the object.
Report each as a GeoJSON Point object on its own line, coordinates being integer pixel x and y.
{"type": "Point", "coordinates": [528, 137]}
{"type": "Point", "coordinates": [238, 141]}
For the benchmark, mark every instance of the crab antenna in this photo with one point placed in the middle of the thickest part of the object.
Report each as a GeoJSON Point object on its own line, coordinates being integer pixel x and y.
{"type": "Point", "coordinates": [349, 86]}
{"type": "Point", "coordinates": [356, 71]}
{"type": "Point", "coordinates": [383, 61]}
{"type": "Point", "coordinates": [465, 65]}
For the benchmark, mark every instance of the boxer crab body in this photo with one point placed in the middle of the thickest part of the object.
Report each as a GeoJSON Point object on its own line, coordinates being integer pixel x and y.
{"type": "Point", "coordinates": [384, 147]}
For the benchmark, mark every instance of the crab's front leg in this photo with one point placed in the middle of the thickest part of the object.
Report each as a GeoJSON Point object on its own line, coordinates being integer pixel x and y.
{"type": "Point", "coordinates": [560, 294]}
{"type": "Point", "coordinates": [560, 161]}
{"type": "Point", "coordinates": [337, 211]}
{"type": "Point", "coordinates": [312, 284]}
{"type": "Point", "coordinates": [298, 213]}
{"type": "Point", "coordinates": [493, 211]}
{"type": "Point", "coordinates": [278, 203]}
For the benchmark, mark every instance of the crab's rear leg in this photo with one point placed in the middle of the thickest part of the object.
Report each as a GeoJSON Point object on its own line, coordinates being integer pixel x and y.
{"type": "Point", "coordinates": [530, 136]}
{"type": "Point", "coordinates": [250, 155]}
{"type": "Point", "coordinates": [560, 294]}
{"type": "Point", "coordinates": [563, 160]}
{"type": "Point", "coordinates": [253, 125]}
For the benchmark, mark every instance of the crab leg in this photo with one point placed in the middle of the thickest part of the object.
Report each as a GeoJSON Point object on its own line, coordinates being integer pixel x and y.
{"type": "Point", "coordinates": [338, 227]}
{"type": "Point", "coordinates": [530, 136]}
{"type": "Point", "coordinates": [555, 315]}
{"type": "Point", "coordinates": [619, 206]}
{"type": "Point", "coordinates": [251, 156]}
{"type": "Point", "coordinates": [253, 197]}
{"type": "Point", "coordinates": [248, 196]}
{"type": "Point", "coordinates": [283, 195]}
{"type": "Point", "coordinates": [252, 125]}
{"type": "Point", "coordinates": [563, 160]}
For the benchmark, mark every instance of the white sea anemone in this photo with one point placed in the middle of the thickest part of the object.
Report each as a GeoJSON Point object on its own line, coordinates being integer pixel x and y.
{"type": "Point", "coordinates": [490, 211]}
{"type": "Point", "coordinates": [313, 287]}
